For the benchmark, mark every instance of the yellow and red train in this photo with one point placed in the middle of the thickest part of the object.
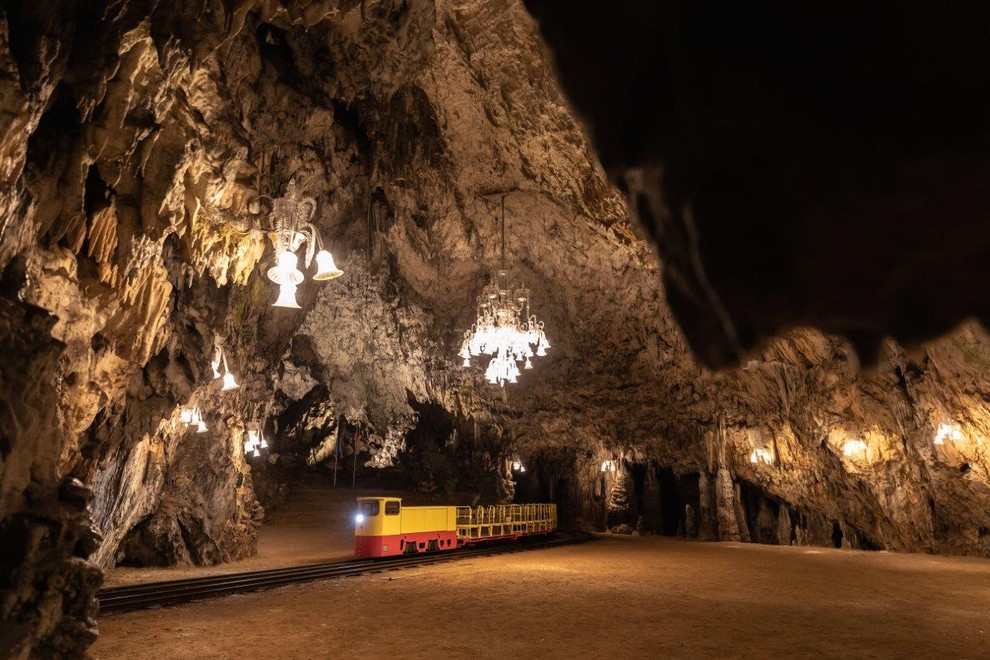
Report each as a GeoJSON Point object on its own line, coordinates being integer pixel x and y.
{"type": "Point", "coordinates": [383, 527]}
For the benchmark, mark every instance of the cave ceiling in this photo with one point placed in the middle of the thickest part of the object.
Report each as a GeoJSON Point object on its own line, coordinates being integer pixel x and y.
{"type": "Point", "coordinates": [139, 139]}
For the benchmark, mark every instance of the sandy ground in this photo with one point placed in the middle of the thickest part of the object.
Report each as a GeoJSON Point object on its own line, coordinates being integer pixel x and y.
{"type": "Point", "coordinates": [615, 597]}
{"type": "Point", "coordinates": [315, 526]}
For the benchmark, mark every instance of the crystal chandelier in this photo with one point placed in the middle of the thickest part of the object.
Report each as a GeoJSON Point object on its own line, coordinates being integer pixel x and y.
{"type": "Point", "coordinates": [220, 359]}
{"type": "Point", "coordinates": [255, 442]}
{"type": "Point", "coordinates": [192, 417]}
{"type": "Point", "coordinates": [291, 227]}
{"type": "Point", "coordinates": [504, 328]}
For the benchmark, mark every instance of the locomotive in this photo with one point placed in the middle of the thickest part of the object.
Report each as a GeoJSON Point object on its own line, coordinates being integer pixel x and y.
{"type": "Point", "coordinates": [383, 527]}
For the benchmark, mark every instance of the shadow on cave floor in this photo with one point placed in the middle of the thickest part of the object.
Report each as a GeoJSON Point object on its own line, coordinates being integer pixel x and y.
{"type": "Point", "coordinates": [314, 525]}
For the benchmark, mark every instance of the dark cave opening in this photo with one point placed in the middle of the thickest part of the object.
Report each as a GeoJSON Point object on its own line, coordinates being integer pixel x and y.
{"type": "Point", "coordinates": [762, 513]}
{"type": "Point", "coordinates": [836, 535]}
{"type": "Point", "coordinates": [676, 494]}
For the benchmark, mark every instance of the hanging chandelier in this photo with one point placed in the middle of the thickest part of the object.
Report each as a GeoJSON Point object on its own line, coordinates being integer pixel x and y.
{"type": "Point", "coordinates": [220, 360]}
{"type": "Point", "coordinates": [291, 227]}
{"type": "Point", "coordinates": [504, 328]}
{"type": "Point", "coordinates": [255, 442]}
{"type": "Point", "coordinates": [192, 417]}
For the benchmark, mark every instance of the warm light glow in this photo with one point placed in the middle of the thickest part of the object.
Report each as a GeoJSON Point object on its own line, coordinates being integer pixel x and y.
{"type": "Point", "coordinates": [229, 383]}
{"type": "Point", "coordinates": [291, 228]}
{"type": "Point", "coordinates": [286, 297]}
{"type": "Point", "coordinates": [761, 455]}
{"type": "Point", "coordinates": [948, 432]}
{"type": "Point", "coordinates": [854, 447]}
{"type": "Point", "coordinates": [326, 269]}
{"type": "Point", "coordinates": [359, 518]}
{"type": "Point", "coordinates": [220, 358]}
{"type": "Point", "coordinates": [516, 465]}
{"type": "Point", "coordinates": [504, 328]}
{"type": "Point", "coordinates": [287, 270]}
{"type": "Point", "coordinates": [522, 468]}
{"type": "Point", "coordinates": [186, 416]}
{"type": "Point", "coordinates": [608, 466]}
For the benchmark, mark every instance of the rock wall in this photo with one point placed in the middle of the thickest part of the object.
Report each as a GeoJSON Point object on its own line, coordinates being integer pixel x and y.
{"type": "Point", "coordinates": [137, 144]}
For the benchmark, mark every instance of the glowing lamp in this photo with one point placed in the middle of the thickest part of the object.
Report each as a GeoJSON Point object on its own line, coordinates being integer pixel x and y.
{"type": "Point", "coordinates": [516, 465]}
{"type": "Point", "coordinates": [264, 443]}
{"type": "Point", "coordinates": [359, 518]}
{"type": "Point", "coordinates": [326, 269]}
{"type": "Point", "coordinates": [256, 453]}
{"type": "Point", "coordinates": [228, 382]}
{"type": "Point", "coordinates": [286, 297]}
{"type": "Point", "coordinates": [287, 271]}
{"type": "Point", "coordinates": [853, 447]}
{"type": "Point", "coordinates": [201, 427]}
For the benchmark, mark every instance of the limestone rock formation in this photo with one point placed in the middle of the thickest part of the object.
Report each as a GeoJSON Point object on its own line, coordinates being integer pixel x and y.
{"type": "Point", "coordinates": [140, 145]}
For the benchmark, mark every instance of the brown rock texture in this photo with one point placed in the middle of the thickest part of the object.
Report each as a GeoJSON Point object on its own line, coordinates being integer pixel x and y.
{"type": "Point", "coordinates": [137, 144]}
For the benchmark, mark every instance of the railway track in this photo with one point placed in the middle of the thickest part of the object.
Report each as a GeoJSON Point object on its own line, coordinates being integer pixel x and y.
{"type": "Point", "coordinates": [173, 592]}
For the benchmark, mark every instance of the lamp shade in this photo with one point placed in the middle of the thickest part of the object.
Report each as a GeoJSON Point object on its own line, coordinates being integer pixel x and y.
{"type": "Point", "coordinates": [229, 383]}
{"type": "Point", "coordinates": [286, 271]}
{"type": "Point", "coordinates": [286, 296]}
{"type": "Point", "coordinates": [326, 269]}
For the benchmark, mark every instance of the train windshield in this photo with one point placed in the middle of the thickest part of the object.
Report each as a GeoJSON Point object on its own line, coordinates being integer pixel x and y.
{"type": "Point", "coordinates": [368, 508]}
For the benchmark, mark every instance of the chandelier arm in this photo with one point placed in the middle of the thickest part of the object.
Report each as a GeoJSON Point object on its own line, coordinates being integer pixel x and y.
{"type": "Point", "coordinates": [309, 203]}
{"type": "Point", "coordinates": [503, 231]}
{"type": "Point", "coordinates": [315, 242]}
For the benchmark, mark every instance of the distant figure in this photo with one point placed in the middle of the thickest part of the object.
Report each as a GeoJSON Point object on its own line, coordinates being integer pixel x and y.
{"type": "Point", "coordinates": [689, 530]}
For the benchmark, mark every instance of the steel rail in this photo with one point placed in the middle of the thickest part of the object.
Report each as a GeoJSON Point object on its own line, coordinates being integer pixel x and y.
{"type": "Point", "coordinates": [174, 592]}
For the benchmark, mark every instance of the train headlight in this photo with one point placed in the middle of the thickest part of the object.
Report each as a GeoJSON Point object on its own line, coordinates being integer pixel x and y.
{"type": "Point", "coordinates": [359, 518]}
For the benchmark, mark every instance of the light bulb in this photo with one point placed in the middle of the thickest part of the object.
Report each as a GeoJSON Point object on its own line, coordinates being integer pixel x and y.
{"type": "Point", "coordinates": [540, 350]}
{"type": "Point", "coordinates": [287, 271]}
{"type": "Point", "coordinates": [326, 269]}
{"type": "Point", "coordinates": [228, 382]}
{"type": "Point", "coordinates": [466, 363]}
{"type": "Point", "coordinates": [264, 443]}
{"type": "Point", "coordinates": [529, 365]}
{"type": "Point", "coordinates": [256, 453]}
{"type": "Point", "coordinates": [286, 296]}
{"type": "Point", "coordinates": [186, 416]}
{"type": "Point", "coordinates": [248, 446]}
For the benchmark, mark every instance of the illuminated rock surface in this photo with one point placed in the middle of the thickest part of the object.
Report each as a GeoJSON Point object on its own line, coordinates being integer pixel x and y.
{"type": "Point", "coordinates": [133, 149]}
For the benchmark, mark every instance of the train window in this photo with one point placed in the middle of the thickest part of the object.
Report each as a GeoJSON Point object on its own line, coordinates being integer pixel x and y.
{"type": "Point", "coordinates": [391, 508]}
{"type": "Point", "coordinates": [369, 508]}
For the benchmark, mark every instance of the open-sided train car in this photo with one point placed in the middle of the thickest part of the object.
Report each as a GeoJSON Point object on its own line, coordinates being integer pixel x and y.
{"type": "Point", "coordinates": [384, 527]}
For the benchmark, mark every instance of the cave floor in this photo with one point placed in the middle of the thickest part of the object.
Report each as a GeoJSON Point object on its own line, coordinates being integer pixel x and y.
{"type": "Point", "coordinates": [615, 597]}
{"type": "Point", "coordinates": [315, 525]}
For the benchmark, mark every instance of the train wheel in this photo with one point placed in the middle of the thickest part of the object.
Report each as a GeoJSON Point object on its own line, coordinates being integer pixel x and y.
{"type": "Point", "coordinates": [433, 546]}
